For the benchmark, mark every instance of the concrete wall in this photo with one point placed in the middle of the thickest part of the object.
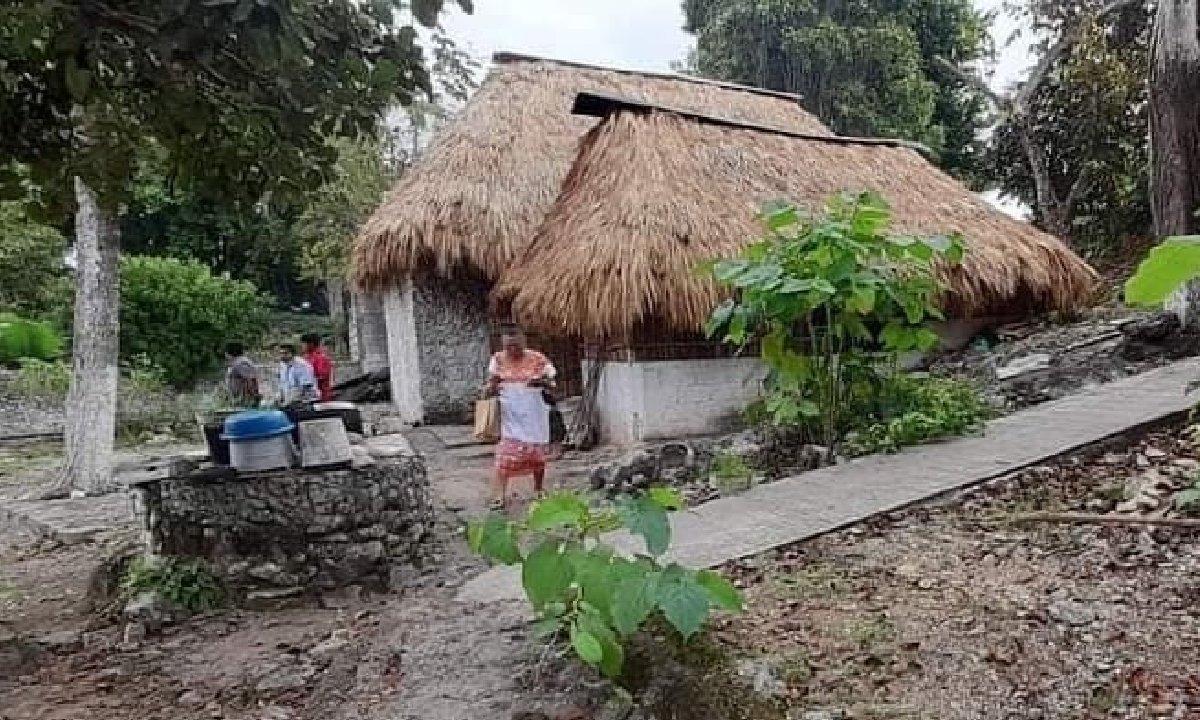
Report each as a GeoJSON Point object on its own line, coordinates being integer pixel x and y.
{"type": "Point", "coordinates": [452, 339]}
{"type": "Point", "coordinates": [656, 400]}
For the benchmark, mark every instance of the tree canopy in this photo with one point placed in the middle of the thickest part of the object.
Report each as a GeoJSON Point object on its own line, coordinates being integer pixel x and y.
{"type": "Point", "coordinates": [865, 68]}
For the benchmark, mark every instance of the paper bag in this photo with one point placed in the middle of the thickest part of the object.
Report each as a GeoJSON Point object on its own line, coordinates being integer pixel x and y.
{"type": "Point", "coordinates": [487, 420]}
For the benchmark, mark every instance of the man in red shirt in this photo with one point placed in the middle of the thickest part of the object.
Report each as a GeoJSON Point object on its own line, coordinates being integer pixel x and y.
{"type": "Point", "coordinates": [321, 364]}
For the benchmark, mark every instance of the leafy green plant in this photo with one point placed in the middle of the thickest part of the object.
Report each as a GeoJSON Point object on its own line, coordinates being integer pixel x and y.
{"type": "Point", "coordinates": [178, 315]}
{"type": "Point", "coordinates": [1168, 267]}
{"type": "Point", "coordinates": [187, 584]}
{"type": "Point", "coordinates": [731, 472]}
{"type": "Point", "coordinates": [21, 339]}
{"type": "Point", "coordinates": [833, 301]}
{"type": "Point", "coordinates": [924, 409]}
{"type": "Point", "coordinates": [1188, 501]}
{"type": "Point", "coordinates": [40, 380]}
{"type": "Point", "coordinates": [583, 589]}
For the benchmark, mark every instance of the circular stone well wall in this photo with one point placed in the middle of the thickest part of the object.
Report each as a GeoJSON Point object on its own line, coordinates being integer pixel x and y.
{"type": "Point", "coordinates": [287, 532]}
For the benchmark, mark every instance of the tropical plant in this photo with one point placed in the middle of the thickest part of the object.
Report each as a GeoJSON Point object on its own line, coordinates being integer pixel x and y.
{"type": "Point", "coordinates": [178, 315]}
{"type": "Point", "coordinates": [583, 589]}
{"type": "Point", "coordinates": [833, 301]}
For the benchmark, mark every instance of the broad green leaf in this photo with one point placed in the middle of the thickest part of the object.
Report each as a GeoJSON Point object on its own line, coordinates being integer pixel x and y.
{"type": "Point", "coordinates": [645, 517]}
{"type": "Point", "coordinates": [587, 646]}
{"type": "Point", "coordinates": [546, 574]}
{"type": "Point", "coordinates": [726, 270]}
{"type": "Point", "coordinates": [666, 497]}
{"type": "Point", "coordinates": [781, 217]}
{"type": "Point", "coordinates": [494, 539]}
{"type": "Point", "coordinates": [547, 627]}
{"type": "Point", "coordinates": [633, 601]}
{"type": "Point", "coordinates": [593, 572]}
{"type": "Point", "coordinates": [792, 286]}
{"type": "Point", "coordinates": [721, 592]}
{"type": "Point", "coordinates": [613, 655]}
{"type": "Point", "coordinates": [758, 276]}
{"type": "Point", "coordinates": [719, 318]}
{"type": "Point", "coordinates": [937, 243]}
{"type": "Point", "coordinates": [1165, 270]}
{"type": "Point", "coordinates": [561, 509]}
{"type": "Point", "coordinates": [683, 601]}
{"type": "Point", "coordinates": [897, 337]}
{"type": "Point", "coordinates": [863, 300]}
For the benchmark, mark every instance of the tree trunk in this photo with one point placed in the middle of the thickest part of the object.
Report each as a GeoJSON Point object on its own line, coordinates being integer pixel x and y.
{"type": "Point", "coordinates": [1175, 133]}
{"type": "Point", "coordinates": [91, 407]}
{"type": "Point", "coordinates": [335, 295]}
{"type": "Point", "coordinates": [1175, 118]}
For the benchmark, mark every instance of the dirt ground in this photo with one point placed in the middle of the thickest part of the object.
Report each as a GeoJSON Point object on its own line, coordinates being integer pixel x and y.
{"type": "Point", "coordinates": [949, 611]}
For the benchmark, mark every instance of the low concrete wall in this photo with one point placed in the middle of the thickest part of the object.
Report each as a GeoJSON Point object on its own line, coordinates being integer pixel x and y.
{"type": "Point", "coordinates": [658, 400]}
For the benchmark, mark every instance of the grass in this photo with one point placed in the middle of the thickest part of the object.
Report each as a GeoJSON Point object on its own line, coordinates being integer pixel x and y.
{"type": "Point", "coordinates": [871, 632]}
{"type": "Point", "coordinates": [816, 581]}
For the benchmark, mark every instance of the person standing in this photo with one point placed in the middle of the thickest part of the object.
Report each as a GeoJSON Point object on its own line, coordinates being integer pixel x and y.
{"type": "Point", "coordinates": [297, 384]}
{"type": "Point", "coordinates": [241, 377]}
{"type": "Point", "coordinates": [322, 365]}
{"type": "Point", "coordinates": [518, 376]}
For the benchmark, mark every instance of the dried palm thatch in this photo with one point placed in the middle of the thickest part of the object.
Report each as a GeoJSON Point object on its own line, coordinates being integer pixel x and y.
{"type": "Point", "coordinates": [656, 192]}
{"type": "Point", "coordinates": [479, 193]}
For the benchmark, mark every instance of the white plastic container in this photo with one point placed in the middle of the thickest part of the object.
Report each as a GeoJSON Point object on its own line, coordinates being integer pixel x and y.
{"type": "Point", "coordinates": [323, 443]}
{"type": "Point", "coordinates": [273, 453]}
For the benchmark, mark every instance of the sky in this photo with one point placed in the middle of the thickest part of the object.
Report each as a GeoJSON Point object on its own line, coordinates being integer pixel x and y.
{"type": "Point", "coordinates": [631, 34]}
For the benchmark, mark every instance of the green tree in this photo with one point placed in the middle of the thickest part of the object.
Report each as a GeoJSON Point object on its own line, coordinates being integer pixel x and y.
{"type": "Point", "coordinates": [864, 68]}
{"type": "Point", "coordinates": [33, 278]}
{"type": "Point", "coordinates": [1088, 120]}
{"type": "Point", "coordinates": [242, 94]}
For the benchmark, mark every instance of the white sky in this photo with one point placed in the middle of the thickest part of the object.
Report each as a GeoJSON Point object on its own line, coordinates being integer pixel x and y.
{"type": "Point", "coordinates": [632, 34]}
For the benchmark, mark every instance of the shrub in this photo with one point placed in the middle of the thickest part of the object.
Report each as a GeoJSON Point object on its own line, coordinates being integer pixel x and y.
{"type": "Point", "coordinates": [582, 589]}
{"type": "Point", "coordinates": [178, 315]}
{"type": "Point", "coordinates": [22, 339]}
{"type": "Point", "coordinates": [920, 410]}
{"type": "Point", "coordinates": [39, 380]}
{"type": "Point", "coordinates": [833, 301]}
{"type": "Point", "coordinates": [33, 278]}
{"type": "Point", "coordinates": [186, 584]}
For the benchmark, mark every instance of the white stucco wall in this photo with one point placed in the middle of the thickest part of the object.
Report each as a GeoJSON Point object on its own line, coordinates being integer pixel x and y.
{"type": "Point", "coordinates": [656, 400]}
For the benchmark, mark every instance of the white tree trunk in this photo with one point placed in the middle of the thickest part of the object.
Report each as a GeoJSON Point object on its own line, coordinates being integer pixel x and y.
{"type": "Point", "coordinates": [403, 356]}
{"type": "Point", "coordinates": [92, 401]}
{"type": "Point", "coordinates": [372, 333]}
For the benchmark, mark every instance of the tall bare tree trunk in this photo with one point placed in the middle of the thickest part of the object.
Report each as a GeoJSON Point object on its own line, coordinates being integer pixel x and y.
{"type": "Point", "coordinates": [1175, 133]}
{"type": "Point", "coordinates": [92, 401]}
{"type": "Point", "coordinates": [335, 295]}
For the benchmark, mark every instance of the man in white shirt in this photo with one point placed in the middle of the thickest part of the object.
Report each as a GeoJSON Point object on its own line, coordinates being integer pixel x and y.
{"type": "Point", "coordinates": [297, 382]}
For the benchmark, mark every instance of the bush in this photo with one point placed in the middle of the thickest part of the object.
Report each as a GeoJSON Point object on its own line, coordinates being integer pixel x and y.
{"type": "Point", "coordinates": [178, 315]}
{"type": "Point", "coordinates": [920, 410]}
{"type": "Point", "coordinates": [39, 380]}
{"type": "Point", "coordinates": [186, 584]}
{"type": "Point", "coordinates": [27, 339]}
{"type": "Point", "coordinates": [583, 590]}
{"type": "Point", "coordinates": [33, 278]}
{"type": "Point", "coordinates": [833, 301]}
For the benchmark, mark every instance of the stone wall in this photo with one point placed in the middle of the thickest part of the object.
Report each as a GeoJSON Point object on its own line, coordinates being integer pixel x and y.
{"type": "Point", "coordinates": [292, 532]}
{"type": "Point", "coordinates": [452, 335]}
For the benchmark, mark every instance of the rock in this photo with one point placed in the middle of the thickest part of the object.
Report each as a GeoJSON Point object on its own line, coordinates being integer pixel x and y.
{"type": "Point", "coordinates": [133, 635]}
{"type": "Point", "coordinates": [1187, 464]}
{"type": "Point", "coordinates": [277, 712]}
{"type": "Point", "coordinates": [274, 594]}
{"type": "Point", "coordinates": [61, 641]}
{"type": "Point", "coordinates": [282, 679]}
{"type": "Point", "coordinates": [337, 641]}
{"type": "Point", "coordinates": [1141, 462]}
{"type": "Point", "coordinates": [1155, 453]}
{"type": "Point", "coordinates": [15, 654]}
{"type": "Point", "coordinates": [1127, 506]}
{"type": "Point", "coordinates": [190, 698]}
{"type": "Point", "coordinates": [360, 457]}
{"type": "Point", "coordinates": [1070, 612]}
{"type": "Point", "coordinates": [674, 456]}
{"type": "Point", "coordinates": [1023, 366]}
{"type": "Point", "coordinates": [272, 574]}
{"type": "Point", "coordinates": [151, 610]}
{"type": "Point", "coordinates": [763, 676]}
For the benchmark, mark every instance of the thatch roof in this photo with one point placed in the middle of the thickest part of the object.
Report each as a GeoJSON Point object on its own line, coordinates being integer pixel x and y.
{"type": "Point", "coordinates": [654, 192]}
{"type": "Point", "coordinates": [479, 193]}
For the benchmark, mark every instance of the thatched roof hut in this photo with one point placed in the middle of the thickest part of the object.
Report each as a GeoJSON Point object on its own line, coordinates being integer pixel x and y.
{"type": "Point", "coordinates": [479, 193]}
{"type": "Point", "coordinates": [657, 189]}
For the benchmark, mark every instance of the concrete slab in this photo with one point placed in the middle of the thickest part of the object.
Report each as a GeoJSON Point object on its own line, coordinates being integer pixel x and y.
{"type": "Point", "coordinates": [822, 501]}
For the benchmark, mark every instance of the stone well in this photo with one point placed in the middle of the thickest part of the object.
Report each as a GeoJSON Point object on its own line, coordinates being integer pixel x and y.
{"type": "Point", "coordinates": [295, 531]}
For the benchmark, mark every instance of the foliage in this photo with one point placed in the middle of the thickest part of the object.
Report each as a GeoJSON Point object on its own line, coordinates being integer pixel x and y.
{"type": "Point", "coordinates": [833, 301]}
{"type": "Point", "coordinates": [22, 339]}
{"type": "Point", "coordinates": [186, 584]}
{"type": "Point", "coordinates": [329, 223]}
{"type": "Point", "coordinates": [865, 68]}
{"type": "Point", "coordinates": [178, 315]}
{"type": "Point", "coordinates": [582, 588]}
{"type": "Point", "coordinates": [1168, 267]}
{"type": "Point", "coordinates": [923, 409]}
{"type": "Point", "coordinates": [1187, 501]}
{"type": "Point", "coordinates": [41, 380]}
{"type": "Point", "coordinates": [731, 471]}
{"type": "Point", "coordinates": [33, 279]}
{"type": "Point", "coordinates": [1089, 115]}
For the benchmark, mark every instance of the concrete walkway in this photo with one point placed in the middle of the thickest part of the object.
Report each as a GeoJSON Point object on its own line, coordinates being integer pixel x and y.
{"type": "Point", "coordinates": [821, 501]}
